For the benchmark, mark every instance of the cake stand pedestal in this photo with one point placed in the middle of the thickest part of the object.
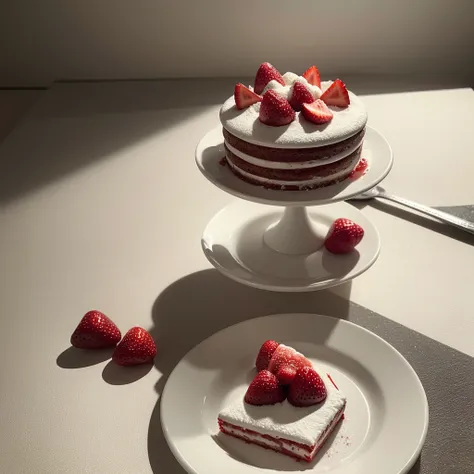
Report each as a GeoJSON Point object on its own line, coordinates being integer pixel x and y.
{"type": "Point", "coordinates": [295, 233]}
{"type": "Point", "coordinates": [256, 242]}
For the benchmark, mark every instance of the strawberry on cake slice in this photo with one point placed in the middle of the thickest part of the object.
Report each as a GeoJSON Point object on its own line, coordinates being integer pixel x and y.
{"type": "Point", "coordinates": [289, 407]}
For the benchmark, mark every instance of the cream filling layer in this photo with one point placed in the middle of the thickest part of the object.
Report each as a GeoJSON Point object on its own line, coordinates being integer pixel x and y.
{"type": "Point", "coordinates": [304, 425]}
{"type": "Point", "coordinates": [281, 165]}
{"type": "Point", "coordinates": [273, 444]}
{"type": "Point", "coordinates": [279, 182]}
{"type": "Point", "coordinates": [279, 444]}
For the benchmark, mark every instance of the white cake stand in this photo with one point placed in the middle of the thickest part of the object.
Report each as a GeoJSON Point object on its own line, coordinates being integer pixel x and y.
{"type": "Point", "coordinates": [282, 250]}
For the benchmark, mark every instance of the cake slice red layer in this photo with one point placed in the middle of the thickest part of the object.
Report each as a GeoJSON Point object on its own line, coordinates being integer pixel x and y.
{"type": "Point", "coordinates": [299, 432]}
{"type": "Point", "coordinates": [281, 445]}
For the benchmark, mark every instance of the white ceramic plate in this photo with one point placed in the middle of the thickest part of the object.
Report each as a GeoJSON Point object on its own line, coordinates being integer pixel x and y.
{"type": "Point", "coordinates": [386, 416]}
{"type": "Point", "coordinates": [233, 243]}
{"type": "Point", "coordinates": [375, 150]}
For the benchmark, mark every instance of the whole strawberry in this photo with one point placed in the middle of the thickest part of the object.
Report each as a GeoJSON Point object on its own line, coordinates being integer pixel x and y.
{"type": "Point", "coordinates": [266, 73]}
{"type": "Point", "coordinates": [136, 347]}
{"type": "Point", "coordinates": [265, 390]}
{"type": "Point", "coordinates": [300, 95]}
{"type": "Point", "coordinates": [343, 236]}
{"type": "Point", "coordinates": [275, 110]}
{"type": "Point", "coordinates": [265, 354]}
{"type": "Point", "coordinates": [307, 388]}
{"type": "Point", "coordinates": [95, 331]}
{"type": "Point", "coordinates": [286, 374]}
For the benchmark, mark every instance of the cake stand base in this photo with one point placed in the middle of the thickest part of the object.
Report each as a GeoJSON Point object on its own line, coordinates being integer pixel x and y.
{"type": "Point", "coordinates": [262, 246]}
{"type": "Point", "coordinates": [267, 248]}
{"type": "Point", "coordinates": [295, 233]}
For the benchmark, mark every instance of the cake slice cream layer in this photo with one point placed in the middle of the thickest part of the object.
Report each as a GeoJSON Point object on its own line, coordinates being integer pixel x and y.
{"type": "Point", "coordinates": [304, 425]}
{"type": "Point", "coordinates": [281, 445]}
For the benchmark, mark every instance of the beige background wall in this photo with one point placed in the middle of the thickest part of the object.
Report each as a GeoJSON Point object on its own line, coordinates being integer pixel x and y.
{"type": "Point", "coordinates": [44, 40]}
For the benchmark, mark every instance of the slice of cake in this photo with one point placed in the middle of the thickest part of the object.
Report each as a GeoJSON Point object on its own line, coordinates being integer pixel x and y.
{"type": "Point", "coordinates": [291, 132]}
{"type": "Point", "coordinates": [288, 407]}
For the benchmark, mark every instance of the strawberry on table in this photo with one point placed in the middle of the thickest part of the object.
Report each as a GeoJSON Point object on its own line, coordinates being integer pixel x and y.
{"type": "Point", "coordinates": [312, 76]}
{"type": "Point", "coordinates": [244, 97]}
{"type": "Point", "coordinates": [136, 347]}
{"type": "Point", "coordinates": [275, 110]}
{"type": "Point", "coordinates": [265, 354]}
{"type": "Point", "coordinates": [307, 388]}
{"type": "Point", "coordinates": [336, 94]}
{"type": "Point", "coordinates": [265, 390]}
{"type": "Point", "coordinates": [300, 95]}
{"type": "Point", "coordinates": [317, 112]}
{"type": "Point", "coordinates": [266, 73]}
{"type": "Point", "coordinates": [343, 236]}
{"type": "Point", "coordinates": [95, 331]}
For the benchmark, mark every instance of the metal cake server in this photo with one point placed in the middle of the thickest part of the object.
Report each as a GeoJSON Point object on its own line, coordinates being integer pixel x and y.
{"type": "Point", "coordinates": [379, 192]}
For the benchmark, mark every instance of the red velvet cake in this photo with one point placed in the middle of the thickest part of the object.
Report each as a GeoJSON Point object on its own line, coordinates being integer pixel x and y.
{"type": "Point", "coordinates": [288, 407]}
{"type": "Point", "coordinates": [293, 132]}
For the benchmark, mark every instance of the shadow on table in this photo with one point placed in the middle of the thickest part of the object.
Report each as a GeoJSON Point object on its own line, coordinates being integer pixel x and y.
{"type": "Point", "coordinates": [73, 358]}
{"type": "Point", "coordinates": [416, 469]}
{"type": "Point", "coordinates": [420, 220]}
{"type": "Point", "coordinates": [78, 124]}
{"type": "Point", "coordinates": [198, 305]}
{"type": "Point", "coordinates": [115, 374]}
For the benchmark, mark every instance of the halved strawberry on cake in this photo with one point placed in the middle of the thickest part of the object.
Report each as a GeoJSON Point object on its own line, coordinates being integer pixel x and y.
{"type": "Point", "coordinates": [289, 407]}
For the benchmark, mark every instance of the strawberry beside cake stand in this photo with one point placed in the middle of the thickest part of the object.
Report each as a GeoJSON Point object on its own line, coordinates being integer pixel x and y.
{"type": "Point", "coordinates": [255, 242]}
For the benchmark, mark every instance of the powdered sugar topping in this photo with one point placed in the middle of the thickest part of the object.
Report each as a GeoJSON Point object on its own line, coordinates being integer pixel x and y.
{"type": "Point", "coordinates": [290, 78]}
{"type": "Point", "coordinates": [300, 133]}
{"type": "Point", "coordinates": [287, 90]}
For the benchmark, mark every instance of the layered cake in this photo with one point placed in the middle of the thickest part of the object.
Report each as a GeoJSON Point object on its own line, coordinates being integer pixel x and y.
{"type": "Point", "coordinates": [291, 132]}
{"type": "Point", "coordinates": [289, 407]}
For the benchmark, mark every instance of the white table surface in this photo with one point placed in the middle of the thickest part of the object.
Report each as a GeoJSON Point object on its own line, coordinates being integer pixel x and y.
{"type": "Point", "coordinates": [101, 206]}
